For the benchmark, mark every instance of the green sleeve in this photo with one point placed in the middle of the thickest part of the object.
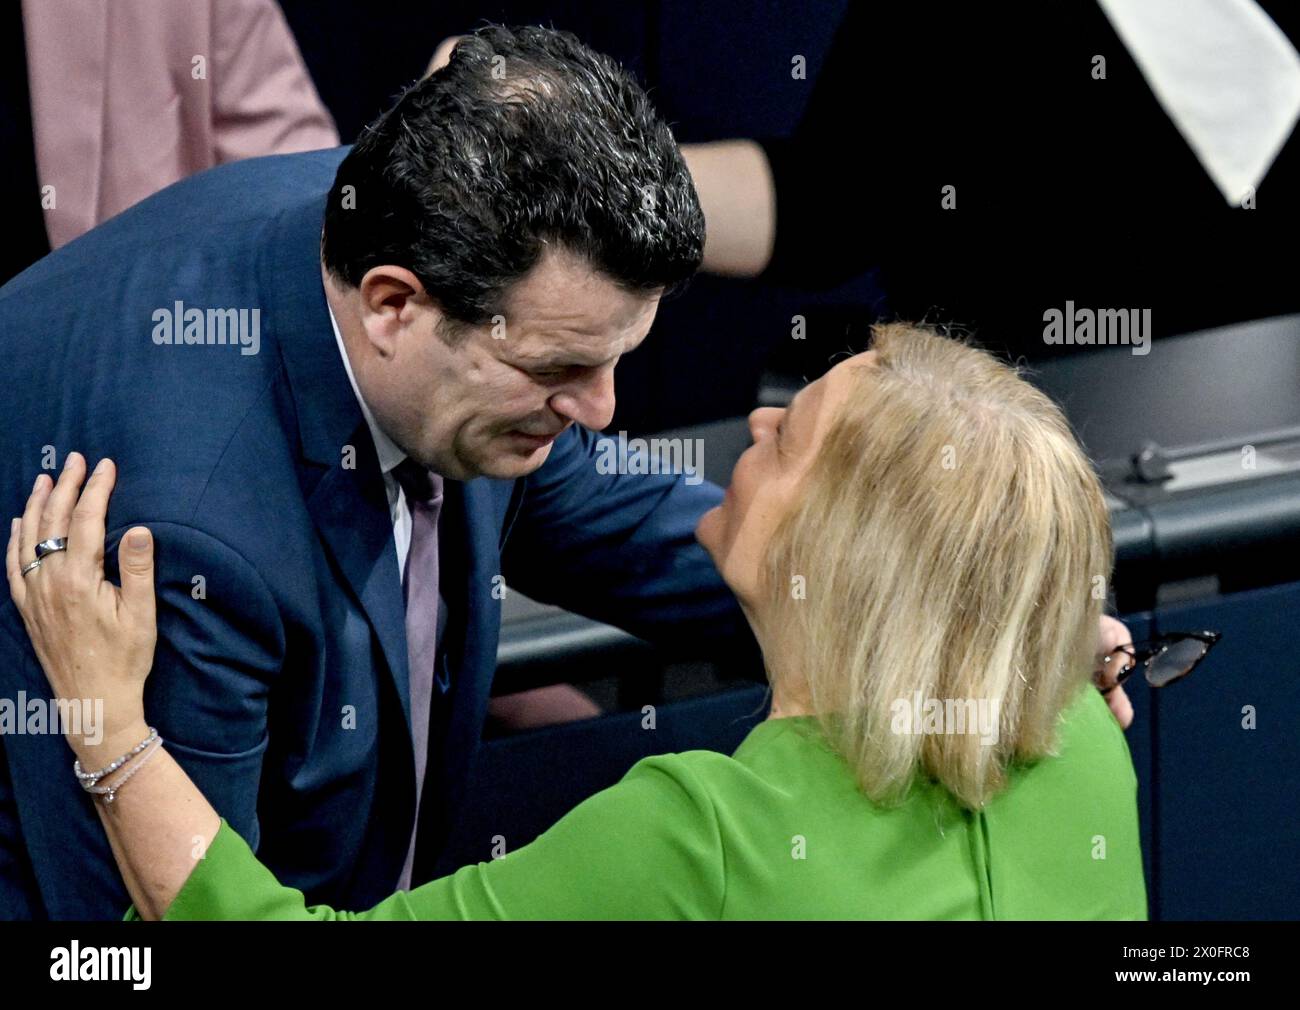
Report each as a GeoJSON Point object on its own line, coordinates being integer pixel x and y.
{"type": "Point", "coordinates": [646, 848]}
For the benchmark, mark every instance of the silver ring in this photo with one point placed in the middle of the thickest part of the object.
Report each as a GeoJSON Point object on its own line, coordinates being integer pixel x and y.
{"type": "Point", "coordinates": [35, 564]}
{"type": "Point", "coordinates": [51, 546]}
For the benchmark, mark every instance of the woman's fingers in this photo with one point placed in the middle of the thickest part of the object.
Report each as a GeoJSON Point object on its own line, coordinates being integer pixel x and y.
{"type": "Point", "coordinates": [1112, 634]}
{"type": "Point", "coordinates": [86, 531]}
{"type": "Point", "coordinates": [56, 517]}
{"type": "Point", "coordinates": [1112, 665]}
{"type": "Point", "coordinates": [64, 510]}
{"type": "Point", "coordinates": [135, 565]}
{"type": "Point", "coordinates": [13, 569]}
{"type": "Point", "coordinates": [30, 535]}
{"type": "Point", "coordinates": [1120, 707]}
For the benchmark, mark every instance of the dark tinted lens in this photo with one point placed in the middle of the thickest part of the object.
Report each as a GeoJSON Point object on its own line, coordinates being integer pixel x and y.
{"type": "Point", "coordinates": [1175, 661]}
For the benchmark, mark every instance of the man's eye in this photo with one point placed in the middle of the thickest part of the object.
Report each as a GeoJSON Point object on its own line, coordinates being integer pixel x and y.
{"type": "Point", "coordinates": [543, 373]}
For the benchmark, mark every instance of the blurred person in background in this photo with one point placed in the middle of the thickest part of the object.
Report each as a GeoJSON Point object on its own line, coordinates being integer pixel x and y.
{"type": "Point", "coordinates": [124, 98]}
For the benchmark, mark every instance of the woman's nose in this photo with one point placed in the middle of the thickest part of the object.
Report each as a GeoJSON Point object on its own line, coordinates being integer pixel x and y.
{"type": "Point", "coordinates": [762, 420]}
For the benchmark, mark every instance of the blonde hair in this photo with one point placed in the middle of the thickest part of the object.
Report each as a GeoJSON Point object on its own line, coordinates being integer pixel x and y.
{"type": "Point", "coordinates": [951, 536]}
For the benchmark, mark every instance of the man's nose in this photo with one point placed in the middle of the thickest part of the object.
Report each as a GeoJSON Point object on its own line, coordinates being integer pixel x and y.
{"type": "Point", "coordinates": [589, 402]}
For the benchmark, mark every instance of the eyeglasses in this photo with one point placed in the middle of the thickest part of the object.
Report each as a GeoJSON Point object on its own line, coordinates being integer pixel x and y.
{"type": "Point", "coordinates": [1167, 658]}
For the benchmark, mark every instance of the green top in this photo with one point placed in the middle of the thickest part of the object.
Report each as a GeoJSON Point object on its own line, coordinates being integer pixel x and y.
{"type": "Point", "coordinates": [778, 831]}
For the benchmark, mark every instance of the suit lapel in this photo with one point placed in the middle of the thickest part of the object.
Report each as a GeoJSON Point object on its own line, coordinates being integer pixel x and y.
{"type": "Point", "coordinates": [350, 509]}
{"type": "Point", "coordinates": [348, 505]}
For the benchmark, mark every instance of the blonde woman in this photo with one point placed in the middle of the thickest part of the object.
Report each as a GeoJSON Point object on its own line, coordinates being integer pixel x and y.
{"type": "Point", "coordinates": [916, 542]}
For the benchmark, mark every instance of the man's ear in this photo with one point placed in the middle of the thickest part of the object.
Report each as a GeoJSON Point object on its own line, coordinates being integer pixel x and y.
{"type": "Point", "coordinates": [391, 299]}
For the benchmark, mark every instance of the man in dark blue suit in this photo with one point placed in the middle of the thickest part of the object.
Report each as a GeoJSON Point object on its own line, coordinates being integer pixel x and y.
{"type": "Point", "coordinates": [273, 353]}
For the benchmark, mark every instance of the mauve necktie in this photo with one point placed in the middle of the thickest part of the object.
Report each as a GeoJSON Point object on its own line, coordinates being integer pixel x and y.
{"type": "Point", "coordinates": [423, 490]}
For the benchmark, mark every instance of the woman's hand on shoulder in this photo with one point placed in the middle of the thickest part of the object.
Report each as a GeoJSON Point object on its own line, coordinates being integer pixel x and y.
{"type": "Point", "coordinates": [95, 641]}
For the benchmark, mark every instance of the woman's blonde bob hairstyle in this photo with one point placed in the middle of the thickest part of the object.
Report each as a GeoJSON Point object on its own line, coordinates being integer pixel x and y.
{"type": "Point", "coordinates": [954, 545]}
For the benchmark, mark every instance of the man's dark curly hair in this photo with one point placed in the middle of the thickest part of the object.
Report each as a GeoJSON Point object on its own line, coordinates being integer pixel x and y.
{"type": "Point", "coordinates": [525, 137]}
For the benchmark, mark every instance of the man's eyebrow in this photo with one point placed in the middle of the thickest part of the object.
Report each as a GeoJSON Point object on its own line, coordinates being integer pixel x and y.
{"type": "Point", "coordinates": [562, 362]}
{"type": "Point", "coordinates": [570, 360]}
{"type": "Point", "coordinates": [559, 361]}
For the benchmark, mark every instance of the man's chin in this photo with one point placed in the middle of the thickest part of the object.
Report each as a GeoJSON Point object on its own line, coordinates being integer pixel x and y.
{"type": "Point", "coordinates": [519, 462]}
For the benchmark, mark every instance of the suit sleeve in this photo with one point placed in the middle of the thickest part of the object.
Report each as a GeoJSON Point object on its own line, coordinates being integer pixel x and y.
{"type": "Point", "coordinates": [646, 848]}
{"type": "Point", "coordinates": [220, 646]}
{"type": "Point", "coordinates": [621, 548]}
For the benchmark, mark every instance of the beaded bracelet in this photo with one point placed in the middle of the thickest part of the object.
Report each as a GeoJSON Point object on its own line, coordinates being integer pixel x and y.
{"type": "Point", "coordinates": [90, 778]}
{"type": "Point", "coordinates": [110, 792]}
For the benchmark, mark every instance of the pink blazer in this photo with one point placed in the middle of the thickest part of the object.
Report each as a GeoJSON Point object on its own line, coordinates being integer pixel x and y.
{"type": "Point", "coordinates": [129, 96]}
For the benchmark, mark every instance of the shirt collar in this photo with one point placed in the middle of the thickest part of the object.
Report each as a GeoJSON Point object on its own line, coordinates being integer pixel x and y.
{"type": "Point", "coordinates": [390, 455]}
